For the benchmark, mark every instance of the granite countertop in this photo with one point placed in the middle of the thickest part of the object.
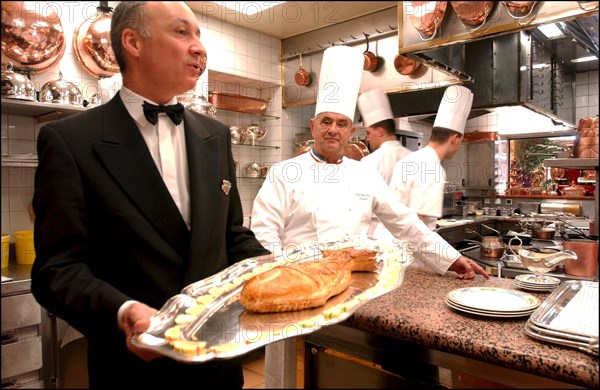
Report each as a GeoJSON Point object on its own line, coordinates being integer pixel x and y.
{"type": "Point", "coordinates": [416, 312]}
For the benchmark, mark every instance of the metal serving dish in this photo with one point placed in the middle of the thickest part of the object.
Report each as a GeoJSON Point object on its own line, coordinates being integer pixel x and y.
{"type": "Point", "coordinates": [222, 328]}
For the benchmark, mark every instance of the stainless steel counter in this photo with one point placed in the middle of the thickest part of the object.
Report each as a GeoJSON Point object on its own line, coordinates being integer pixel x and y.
{"type": "Point", "coordinates": [21, 279]}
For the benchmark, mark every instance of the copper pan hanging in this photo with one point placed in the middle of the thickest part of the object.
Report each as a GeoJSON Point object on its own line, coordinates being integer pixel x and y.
{"type": "Point", "coordinates": [473, 14]}
{"type": "Point", "coordinates": [302, 77]}
{"type": "Point", "coordinates": [33, 38]}
{"type": "Point", "coordinates": [405, 65]}
{"type": "Point", "coordinates": [519, 10]}
{"type": "Point", "coordinates": [370, 59]}
{"type": "Point", "coordinates": [91, 43]}
{"type": "Point", "coordinates": [426, 17]}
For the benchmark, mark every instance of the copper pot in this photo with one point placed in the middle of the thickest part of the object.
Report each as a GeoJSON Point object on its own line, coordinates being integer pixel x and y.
{"type": "Point", "coordinates": [544, 233]}
{"type": "Point", "coordinates": [519, 9]}
{"type": "Point", "coordinates": [33, 42]}
{"type": "Point", "coordinates": [370, 59]}
{"type": "Point", "coordinates": [587, 257]}
{"type": "Point", "coordinates": [302, 77]}
{"type": "Point", "coordinates": [405, 65]}
{"type": "Point", "coordinates": [304, 147]}
{"type": "Point", "coordinates": [492, 249]}
{"type": "Point", "coordinates": [473, 14]}
{"type": "Point", "coordinates": [91, 44]}
{"type": "Point", "coordinates": [426, 17]}
{"type": "Point", "coordinates": [356, 149]}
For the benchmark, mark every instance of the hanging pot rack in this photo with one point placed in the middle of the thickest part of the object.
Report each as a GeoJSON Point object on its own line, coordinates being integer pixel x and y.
{"type": "Point", "coordinates": [378, 33]}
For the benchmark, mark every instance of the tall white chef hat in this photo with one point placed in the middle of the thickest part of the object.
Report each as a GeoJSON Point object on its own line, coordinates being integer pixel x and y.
{"type": "Point", "coordinates": [339, 80]}
{"type": "Point", "coordinates": [374, 106]}
{"type": "Point", "coordinates": [454, 108]}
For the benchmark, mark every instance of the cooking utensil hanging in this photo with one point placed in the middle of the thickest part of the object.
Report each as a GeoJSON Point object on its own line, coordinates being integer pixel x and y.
{"type": "Point", "coordinates": [371, 60]}
{"type": "Point", "coordinates": [92, 46]}
{"type": "Point", "coordinates": [302, 77]}
{"type": "Point", "coordinates": [34, 42]}
{"type": "Point", "coordinates": [405, 66]}
{"type": "Point", "coordinates": [520, 10]}
{"type": "Point", "coordinates": [425, 20]}
{"type": "Point", "coordinates": [473, 14]}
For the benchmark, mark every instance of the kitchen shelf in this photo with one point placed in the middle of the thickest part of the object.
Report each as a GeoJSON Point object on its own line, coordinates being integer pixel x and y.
{"type": "Point", "coordinates": [262, 117]}
{"type": "Point", "coordinates": [262, 147]}
{"type": "Point", "coordinates": [42, 112]}
{"type": "Point", "coordinates": [20, 162]}
{"type": "Point", "coordinates": [591, 197]}
{"type": "Point", "coordinates": [572, 163]}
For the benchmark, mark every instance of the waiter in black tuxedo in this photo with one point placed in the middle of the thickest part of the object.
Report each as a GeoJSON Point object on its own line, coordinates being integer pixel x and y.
{"type": "Point", "coordinates": [136, 199]}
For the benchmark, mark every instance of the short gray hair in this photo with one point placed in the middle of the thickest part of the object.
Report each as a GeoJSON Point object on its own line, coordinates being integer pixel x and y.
{"type": "Point", "coordinates": [127, 14]}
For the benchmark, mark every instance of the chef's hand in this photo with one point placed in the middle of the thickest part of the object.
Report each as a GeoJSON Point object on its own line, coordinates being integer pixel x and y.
{"type": "Point", "coordinates": [136, 319]}
{"type": "Point", "coordinates": [467, 268]}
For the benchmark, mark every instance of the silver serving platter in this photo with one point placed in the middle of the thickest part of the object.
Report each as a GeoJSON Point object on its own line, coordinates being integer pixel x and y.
{"type": "Point", "coordinates": [542, 325]}
{"type": "Point", "coordinates": [229, 330]}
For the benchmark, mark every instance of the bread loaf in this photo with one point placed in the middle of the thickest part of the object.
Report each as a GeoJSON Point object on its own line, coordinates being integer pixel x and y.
{"type": "Point", "coordinates": [303, 285]}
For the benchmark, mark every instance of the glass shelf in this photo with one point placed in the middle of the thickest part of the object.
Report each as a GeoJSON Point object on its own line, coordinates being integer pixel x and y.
{"type": "Point", "coordinates": [251, 177]}
{"type": "Point", "coordinates": [42, 112]}
{"type": "Point", "coordinates": [29, 161]}
{"type": "Point", "coordinates": [257, 146]}
{"type": "Point", "coordinates": [263, 117]}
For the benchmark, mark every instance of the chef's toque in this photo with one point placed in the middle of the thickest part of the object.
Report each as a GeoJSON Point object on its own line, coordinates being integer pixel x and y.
{"type": "Point", "coordinates": [454, 108]}
{"type": "Point", "coordinates": [374, 106]}
{"type": "Point", "coordinates": [339, 80]}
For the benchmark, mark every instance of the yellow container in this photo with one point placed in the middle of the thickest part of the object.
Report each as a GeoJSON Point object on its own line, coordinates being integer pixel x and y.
{"type": "Point", "coordinates": [5, 246]}
{"type": "Point", "coordinates": [24, 247]}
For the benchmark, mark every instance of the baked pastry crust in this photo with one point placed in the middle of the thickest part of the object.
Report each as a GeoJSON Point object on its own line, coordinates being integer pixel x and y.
{"type": "Point", "coordinates": [305, 285]}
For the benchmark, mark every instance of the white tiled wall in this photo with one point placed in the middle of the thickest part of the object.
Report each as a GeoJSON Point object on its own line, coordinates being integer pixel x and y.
{"type": "Point", "coordinates": [586, 94]}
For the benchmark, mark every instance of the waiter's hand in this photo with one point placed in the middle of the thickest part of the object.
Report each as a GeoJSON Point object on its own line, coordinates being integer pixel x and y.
{"type": "Point", "coordinates": [467, 268]}
{"type": "Point", "coordinates": [136, 319]}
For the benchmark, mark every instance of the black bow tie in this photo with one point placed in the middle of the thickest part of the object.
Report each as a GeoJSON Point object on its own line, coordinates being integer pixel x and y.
{"type": "Point", "coordinates": [175, 112]}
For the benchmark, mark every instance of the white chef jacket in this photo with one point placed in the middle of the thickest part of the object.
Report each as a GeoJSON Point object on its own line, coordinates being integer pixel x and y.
{"type": "Point", "coordinates": [384, 159]}
{"type": "Point", "coordinates": [418, 182]}
{"type": "Point", "coordinates": [303, 201]}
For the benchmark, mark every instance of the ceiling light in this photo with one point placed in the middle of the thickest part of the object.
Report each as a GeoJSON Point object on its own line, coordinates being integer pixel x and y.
{"type": "Point", "coordinates": [249, 8]}
{"type": "Point", "coordinates": [584, 59]}
{"type": "Point", "coordinates": [539, 66]}
{"type": "Point", "coordinates": [551, 31]}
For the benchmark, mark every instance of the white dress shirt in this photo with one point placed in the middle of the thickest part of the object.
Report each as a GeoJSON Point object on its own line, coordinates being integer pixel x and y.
{"type": "Point", "coordinates": [166, 143]}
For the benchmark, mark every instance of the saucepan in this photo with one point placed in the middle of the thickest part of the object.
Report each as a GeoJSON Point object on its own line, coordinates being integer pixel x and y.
{"type": "Point", "coordinates": [302, 77]}
{"type": "Point", "coordinates": [405, 65]}
{"type": "Point", "coordinates": [371, 60]}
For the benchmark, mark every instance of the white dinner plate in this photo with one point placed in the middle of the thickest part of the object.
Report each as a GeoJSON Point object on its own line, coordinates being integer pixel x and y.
{"type": "Point", "coordinates": [493, 299]}
{"type": "Point", "coordinates": [488, 313]}
{"type": "Point", "coordinates": [528, 279]}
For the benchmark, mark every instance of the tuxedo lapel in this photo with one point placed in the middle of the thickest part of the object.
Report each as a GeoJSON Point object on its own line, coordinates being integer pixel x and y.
{"type": "Point", "coordinates": [207, 170]}
{"type": "Point", "coordinates": [125, 155]}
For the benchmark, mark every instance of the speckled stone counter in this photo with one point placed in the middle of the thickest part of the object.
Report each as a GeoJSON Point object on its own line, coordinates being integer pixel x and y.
{"type": "Point", "coordinates": [416, 313]}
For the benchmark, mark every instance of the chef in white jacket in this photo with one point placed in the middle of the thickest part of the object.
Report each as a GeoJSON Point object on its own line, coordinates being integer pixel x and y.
{"type": "Point", "coordinates": [419, 179]}
{"type": "Point", "coordinates": [321, 196]}
{"type": "Point", "coordinates": [378, 118]}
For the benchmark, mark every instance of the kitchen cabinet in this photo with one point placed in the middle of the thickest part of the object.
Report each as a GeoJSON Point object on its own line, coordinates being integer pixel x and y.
{"type": "Point", "coordinates": [23, 326]}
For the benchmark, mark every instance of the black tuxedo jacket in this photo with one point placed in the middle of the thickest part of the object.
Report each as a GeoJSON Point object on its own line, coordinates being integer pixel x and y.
{"type": "Point", "coordinates": [107, 229]}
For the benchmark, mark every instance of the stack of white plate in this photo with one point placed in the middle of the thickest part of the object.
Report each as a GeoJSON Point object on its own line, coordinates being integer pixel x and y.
{"type": "Point", "coordinates": [492, 302]}
{"type": "Point", "coordinates": [531, 283]}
